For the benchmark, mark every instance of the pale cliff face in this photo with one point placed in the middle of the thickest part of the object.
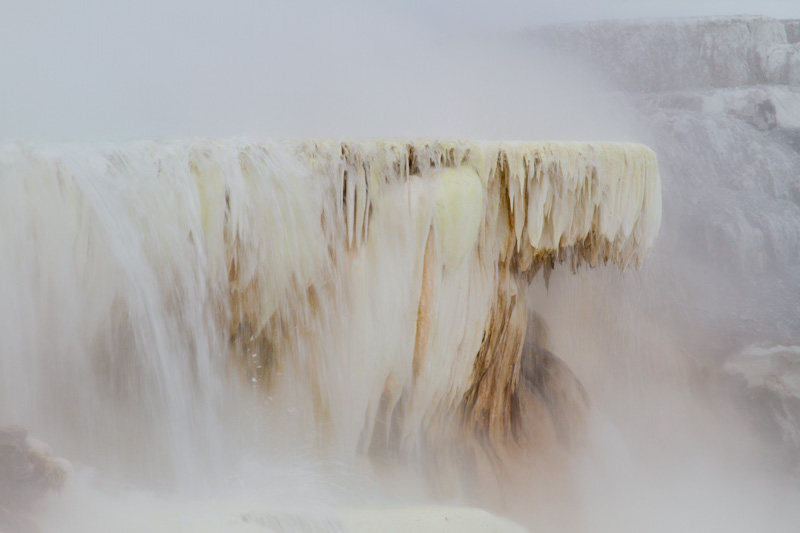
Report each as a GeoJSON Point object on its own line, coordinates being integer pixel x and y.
{"type": "Point", "coordinates": [720, 97]}
{"type": "Point", "coordinates": [679, 54]}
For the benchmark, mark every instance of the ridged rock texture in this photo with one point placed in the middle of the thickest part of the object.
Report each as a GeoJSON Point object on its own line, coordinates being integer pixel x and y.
{"type": "Point", "coordinates": [363, 289]}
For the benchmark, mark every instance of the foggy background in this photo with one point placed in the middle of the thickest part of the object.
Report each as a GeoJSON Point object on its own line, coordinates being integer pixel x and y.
{"type": "Point", "coordinates": [90, 70]}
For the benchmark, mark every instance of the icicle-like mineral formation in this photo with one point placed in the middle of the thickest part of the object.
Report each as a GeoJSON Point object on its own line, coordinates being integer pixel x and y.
{"type": "Point", "coordinates": [370, 291]}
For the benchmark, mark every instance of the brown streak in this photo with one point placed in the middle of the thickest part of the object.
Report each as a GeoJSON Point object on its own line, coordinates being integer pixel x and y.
{"type": "Point", "coordinates": [425, 309]}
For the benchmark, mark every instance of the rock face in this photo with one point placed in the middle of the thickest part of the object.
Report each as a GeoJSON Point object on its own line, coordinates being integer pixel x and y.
{"type": "Point", "coordinates": [768, 379]}
{"type": "Point", "coordinates": [720, 100]}
{"type": "Point", "coordinates": [548, 382]}
{"type": "Point", "coordinates": [792, 30]}
{"type": "Point", "coordinates": [28, 470]}
{"type": "Point", "coordinates": [674, 54]}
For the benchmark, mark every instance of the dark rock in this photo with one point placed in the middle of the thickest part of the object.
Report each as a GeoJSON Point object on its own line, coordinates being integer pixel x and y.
{"type": "Point", "coordinates": [694, 53]}
{"type": "Point", "coordinates": [28, 471]}
{"type": "Point", "coordinates": [766, 381]}
{"type": "Point", "coordinates": [550, 381]}
{"type": "Point", "coordinates": [756, 111]}
{"type": "Point", "coordinates": [792, 30]}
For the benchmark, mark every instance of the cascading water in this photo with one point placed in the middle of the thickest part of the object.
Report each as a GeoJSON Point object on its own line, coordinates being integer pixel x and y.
{"type": "Point", "coordinates": [185, 307]}
{"type": "Point", "coordinates": [281, 336]}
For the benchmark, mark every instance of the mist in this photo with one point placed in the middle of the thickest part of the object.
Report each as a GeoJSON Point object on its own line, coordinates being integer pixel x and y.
{"type": "Point", "coordinates": [673, 441]}
{"type": "Point", "coordinates": [93, 71]}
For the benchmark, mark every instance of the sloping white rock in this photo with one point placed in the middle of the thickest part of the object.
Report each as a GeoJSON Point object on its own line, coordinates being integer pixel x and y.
{"type": "Point", "coordinates": [698, 53]}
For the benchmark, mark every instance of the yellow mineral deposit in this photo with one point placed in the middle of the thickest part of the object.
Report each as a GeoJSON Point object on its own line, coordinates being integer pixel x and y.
{"type": "Point", "coordinates": [459, 227]}
{"type": "Point", "coordinates": [371, 293]}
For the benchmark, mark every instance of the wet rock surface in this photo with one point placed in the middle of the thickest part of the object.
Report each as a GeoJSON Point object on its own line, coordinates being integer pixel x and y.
{"type": "Point", "coordinates": [28, 471]}
{"type": "Point", "coordinates": [792, 30]}
{"type": "Point", "coordinates": [653, 55]}
{"type": "Point", "coordinates": [719, 98]}
{"type": "Point", "coordinates": [765, 379]}
{"type": "Point", "coordinates": [552, 384]}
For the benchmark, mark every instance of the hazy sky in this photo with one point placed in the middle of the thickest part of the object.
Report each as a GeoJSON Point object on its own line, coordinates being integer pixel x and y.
{"type": "Point", "coordinates": [92, 69]}
{"type": "Point", "coordinates": [521, 13]}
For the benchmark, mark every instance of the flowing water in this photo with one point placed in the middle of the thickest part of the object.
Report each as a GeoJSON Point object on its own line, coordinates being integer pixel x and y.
{"type": "Point", "coordinates": [210, 317]}
{"type": "Point", "coordinates": [249, 335]}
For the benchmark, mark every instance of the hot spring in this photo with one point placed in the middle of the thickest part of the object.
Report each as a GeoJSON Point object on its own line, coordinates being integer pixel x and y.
{"type": "Point", "coordinates": [591, 333]}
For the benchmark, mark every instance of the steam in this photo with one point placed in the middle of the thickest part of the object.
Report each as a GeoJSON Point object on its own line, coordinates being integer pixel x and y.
{"type": "Point", "coordinates": [270, 70]}
{"type": "Point", "coordinates": [668, 449]}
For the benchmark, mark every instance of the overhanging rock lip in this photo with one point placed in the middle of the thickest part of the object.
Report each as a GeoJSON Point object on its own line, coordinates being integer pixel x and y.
{"type": "Point", "coordinates": [591, 201]}
{"type": "Point", "coordinates": [594, 200]}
